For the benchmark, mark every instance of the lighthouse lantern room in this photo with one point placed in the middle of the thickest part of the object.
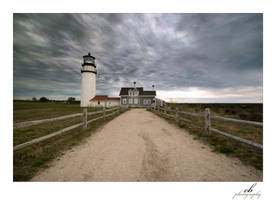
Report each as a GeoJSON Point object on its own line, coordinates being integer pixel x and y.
{"type": "Point", "coordinates": [88, 80]}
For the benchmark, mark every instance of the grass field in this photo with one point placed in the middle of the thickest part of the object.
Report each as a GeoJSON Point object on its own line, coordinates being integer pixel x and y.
{"type": "Point", "coordinates": [27, 161]}
{"type": "Point", "coordinates": [28, 111]}
{"type": "Point", "coordinates": [246, 153]}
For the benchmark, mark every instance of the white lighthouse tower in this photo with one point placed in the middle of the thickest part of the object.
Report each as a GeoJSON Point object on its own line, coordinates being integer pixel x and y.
{"type": "Point", "coordinates": [88, 80]}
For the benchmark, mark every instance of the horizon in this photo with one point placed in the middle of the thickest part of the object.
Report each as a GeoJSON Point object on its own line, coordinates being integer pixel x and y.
{"type": "Point", "coordinates": [170, 101]}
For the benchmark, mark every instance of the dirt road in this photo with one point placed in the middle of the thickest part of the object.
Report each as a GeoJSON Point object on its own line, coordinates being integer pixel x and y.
{"type": "Point", "coordinates": [140, 146]}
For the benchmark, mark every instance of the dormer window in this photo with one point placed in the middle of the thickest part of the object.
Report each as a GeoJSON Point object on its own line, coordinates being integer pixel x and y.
{"type": "Point", "coordinates": [130, 93]}
{"type": "Point", "coordinates": [133, 92]}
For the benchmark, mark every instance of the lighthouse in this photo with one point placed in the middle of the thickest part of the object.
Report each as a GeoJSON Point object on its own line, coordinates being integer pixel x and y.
{"type": "Point", "coordinates": [88, 80]}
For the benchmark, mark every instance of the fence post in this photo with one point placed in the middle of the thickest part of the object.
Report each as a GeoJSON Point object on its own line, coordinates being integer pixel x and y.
{"type": "Point", "coordinates": [207, 121]}
{"type": "Point", "coordinates": [158, 109]}
{"type": "Point", "coordinates": [84, 118]}
{"type": "Point", "coordinates": [177, 115]}
{"type": "Point", "coordinates": [165, 109]}
{"type": "Point", "coordinates": [104, 112]}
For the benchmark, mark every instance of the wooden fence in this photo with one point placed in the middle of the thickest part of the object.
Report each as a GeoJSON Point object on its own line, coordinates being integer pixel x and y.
{"type": "Point", "coordinates": [207, 122]}
{"type": "Point", "coordinates": [36, 122]}
{"type": "Point", "coordinates": [83, 123]}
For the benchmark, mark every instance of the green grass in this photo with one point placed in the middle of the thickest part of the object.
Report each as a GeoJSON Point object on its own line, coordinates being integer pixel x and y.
{"type": "Point", "coordinates": [247, 154]}
{"type": "Point", "coordinates": [28, 111]}
{"type": "Point", "coordinates": [29, 160]}
{"type": "Point", "coordinates": [37, 110]}
{"type": "Point", "coordinates": [244, 111]}
{"type": "Point", "coordinates": [26, 134]}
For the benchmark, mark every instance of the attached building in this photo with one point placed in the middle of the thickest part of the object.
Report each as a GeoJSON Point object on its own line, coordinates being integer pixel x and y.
{"type": "Point", "coordinates": [104, 101]}
{"type": "Point", "coordinates": [137, 96]}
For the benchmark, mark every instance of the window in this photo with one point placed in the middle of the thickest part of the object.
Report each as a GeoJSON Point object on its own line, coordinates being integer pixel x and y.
{"type": "Point", "coordinates": [135, 101]}
{"type": "Point", "coordinates": [99, 102]}
{"type": "Point", "coordinates": [134, 92]}
{"type": "Point", "coordinates": [146, 101]}
{"type": "Point", "coordinates": [130, 93]}
{"type": "Point", "coordinates": [124, 101]}
{"type": "Point", "coordinates": [130, 101]}
{"type": "Point", "coordinates": [89, 60]}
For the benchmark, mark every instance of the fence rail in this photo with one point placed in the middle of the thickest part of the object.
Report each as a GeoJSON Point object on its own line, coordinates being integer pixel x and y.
{"type": "Point", "coordinates": [36, 140]}
{"type": "Point", "coordinates": [36, 122]}
{"type": "Point", "coordinates": [237, 120]}
{"type": "Point", "coordinates": [192, 114]}
{"type": "Point", "coordinates": [237, 138]}
{"type": "Point", "coordinates": [192, 122]}
{"type": "Point", "coordinates": [207, 125]}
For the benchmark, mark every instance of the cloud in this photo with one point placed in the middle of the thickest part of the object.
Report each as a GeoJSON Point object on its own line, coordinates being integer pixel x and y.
{"type": "Point", "coordinates": [199, 95]}
{"type": "Point", "coordinates": [210, 52]}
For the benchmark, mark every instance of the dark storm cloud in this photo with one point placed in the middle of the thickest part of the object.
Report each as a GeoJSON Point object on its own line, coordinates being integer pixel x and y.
{"type": "Point", "coordinates": [172, 51]}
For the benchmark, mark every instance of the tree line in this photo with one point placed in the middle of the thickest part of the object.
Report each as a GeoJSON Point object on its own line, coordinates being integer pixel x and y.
{"type": "Point", "coordinates": [45, 99]}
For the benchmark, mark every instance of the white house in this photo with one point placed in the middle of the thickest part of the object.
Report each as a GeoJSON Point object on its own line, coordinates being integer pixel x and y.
{"type": "Point", "coordinates": [104, 101]}
{"type": "Point", "coordinates": [137, 96]}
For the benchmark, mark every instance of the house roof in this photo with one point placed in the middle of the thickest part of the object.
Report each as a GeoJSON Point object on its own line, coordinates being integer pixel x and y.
{"type": "Point", "coordinates": [113, 98]}
{"type": "Point", "coordinates": [149, 92]}
{"type": "Point", "coordinates": [104, 97]}
{"type": "Point", "coordinates": [124, 91]}
{"type": "Point", "coordinates": [99, 97]}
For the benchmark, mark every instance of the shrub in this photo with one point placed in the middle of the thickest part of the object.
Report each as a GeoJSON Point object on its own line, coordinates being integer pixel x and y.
{"type": "Point", "coordinates": [43, 99]}
{"type": "Point", "coordinates": [223, 149]}
{"type": "Point", "coordinates": [71, 99]}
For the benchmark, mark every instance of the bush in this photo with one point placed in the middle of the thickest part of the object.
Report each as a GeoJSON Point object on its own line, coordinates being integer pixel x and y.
{"type": "Point", "coordinates": [71, 99]}
{"type": "Point", "coordinates": [43, 99]}
{"type": "Point", "coordinates": [223, 149]}
{"type": "Point", "coordinates": [256, 117]}
{"type": "Point", "coordinates": [243, 116]}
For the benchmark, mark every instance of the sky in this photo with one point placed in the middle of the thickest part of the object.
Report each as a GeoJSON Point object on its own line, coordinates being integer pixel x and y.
{"type": "Point", "coordinates": [209, 58]}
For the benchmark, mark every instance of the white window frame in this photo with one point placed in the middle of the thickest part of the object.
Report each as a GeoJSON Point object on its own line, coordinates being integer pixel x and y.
{"type": "Point", "coordinates": [135, 101]}
{"type": "Point", "coordinates": [146, 101]}
{"type": "Point", "coordinates": [124, 101]}
{"type": "Point", "coordinates": [130, 101]}
{"type": "Point", "coordinates": [130, 93]}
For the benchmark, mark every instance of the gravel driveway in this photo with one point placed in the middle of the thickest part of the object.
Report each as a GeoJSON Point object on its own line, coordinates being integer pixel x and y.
{"type": "Point", "coordinates": [140, 146]}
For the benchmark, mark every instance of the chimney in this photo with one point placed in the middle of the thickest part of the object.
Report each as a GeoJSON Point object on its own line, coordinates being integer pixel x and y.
{"type": "Point", "coordinates": [152, 87]}
{"type": "Point", "coordinates": [134, 84]}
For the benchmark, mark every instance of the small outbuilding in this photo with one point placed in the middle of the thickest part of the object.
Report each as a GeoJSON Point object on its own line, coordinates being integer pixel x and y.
{"type": "Point", "coordinates": [104, 101]}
